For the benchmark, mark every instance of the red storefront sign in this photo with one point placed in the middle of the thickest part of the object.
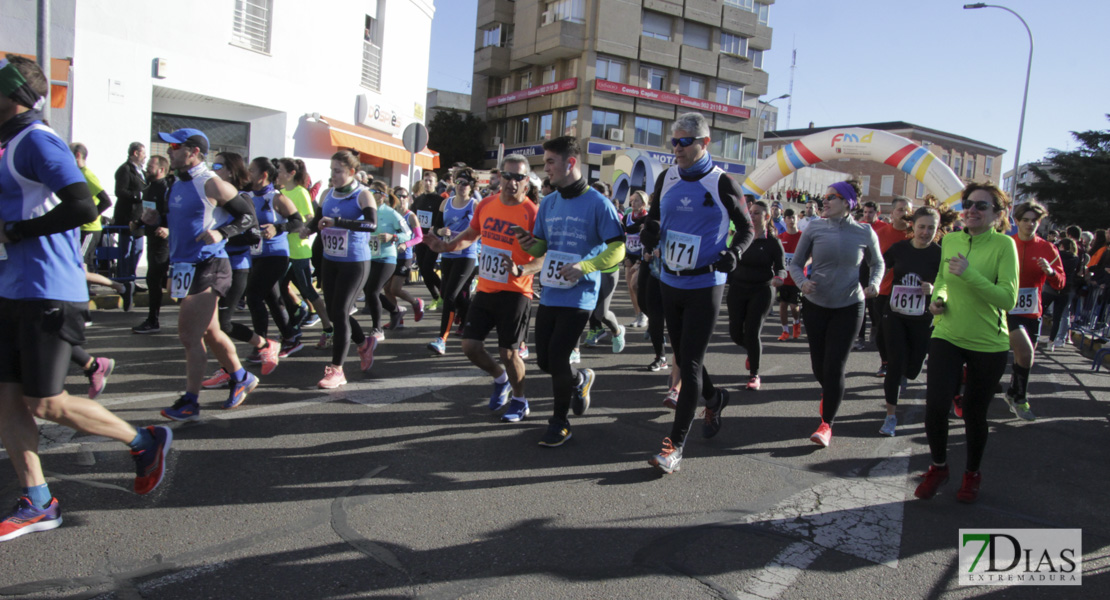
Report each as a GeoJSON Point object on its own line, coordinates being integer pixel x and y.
{"type": "Point", "coordinates": [666, 97]}
{"type": "Point", "coordinates": [534, 92]}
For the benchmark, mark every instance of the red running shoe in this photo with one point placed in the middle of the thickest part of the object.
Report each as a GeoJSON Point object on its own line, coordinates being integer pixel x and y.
{"type": "Point", "coordinates": [933, 479]}
{"type": "Point", "coordinates": [969, 489]}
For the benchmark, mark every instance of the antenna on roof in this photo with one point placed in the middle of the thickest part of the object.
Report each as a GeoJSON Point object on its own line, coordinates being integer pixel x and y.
{"type": "Point", "coordinates": [790, 103]}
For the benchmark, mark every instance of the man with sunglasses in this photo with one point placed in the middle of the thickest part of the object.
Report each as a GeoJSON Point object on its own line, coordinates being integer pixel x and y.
{"type": "Point", "coordinates": [504, 295]}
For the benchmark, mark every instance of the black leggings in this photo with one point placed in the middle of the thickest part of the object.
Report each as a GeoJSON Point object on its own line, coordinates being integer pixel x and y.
{"type": "Point", "coordinates": [984, 370]}
{"type": "Point", "coordinates": [262, 292]}
{"type": "Point", "coordinates": [157, 272]}
{"type": "Point", "coordinates": [426, 264]}
{"type": "Point", "coordinates": [651, 302]}
{"type": "Point", "coordinates": [602, 316]}
{"type": "Point", "coordinates": [907, 342]}
{"type": "Point", "coordinates": [875, 308]}
{"type": "Point", "coordinates": [342, 283]}
{"type": "Point", "coordinates": [229, 305]}
{"type": "Point", "coordinates": [748, 307]}
{"type": "Point", "coordinates": [691, 316]}
{"type": "Point", "coordinates": [830, 332]}
{"type": "Point", "coordinates": [457, 273]}
{"type": "Point", "coordinates": [557, 332]}
{"type": "Point", "coordinates": [380, 272]}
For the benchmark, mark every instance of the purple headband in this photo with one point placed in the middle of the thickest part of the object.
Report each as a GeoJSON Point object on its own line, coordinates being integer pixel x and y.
{"type": "Point", "coordinates": [848, 192]}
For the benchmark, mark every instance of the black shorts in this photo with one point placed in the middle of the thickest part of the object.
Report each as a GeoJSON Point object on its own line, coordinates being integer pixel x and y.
{"type": "Point", "coordinates": [36, 340]}
{"type": "Point", "coordinates": [790, 294]}
{"type": "Point", "coordinates": [1031, 326]}
{"type": "Point", "coordinates": [507, 311]}
{"type": "Point", "coordinates": [212, 273]}
{"type": "Point", "coordinates": [404, 267]}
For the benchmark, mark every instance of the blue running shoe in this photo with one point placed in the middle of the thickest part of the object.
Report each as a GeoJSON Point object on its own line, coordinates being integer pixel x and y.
{"type": "Point", "coordinates": [312, 320]}
{"type": "Point", "coordinates": [150, 464]}
{"type": "Point", "coordinates": [500, 395]}
{"type": "Point", "coordinates": [240, 389]}
{"type": "Point", "coordinates": [438, 346]}
{"type": "Point", "coordinates": [27, 518]}
{"type": "Point", "coordinates": [575, 357]}
{"type": "Point", "coordinates": [182, 410]}
{"type": "Point", "coordinates": [518, 409]}
{"type": "Point", "coordinates": [580, 403]}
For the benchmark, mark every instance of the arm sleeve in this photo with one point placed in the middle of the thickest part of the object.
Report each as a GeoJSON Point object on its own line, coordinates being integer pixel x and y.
{"type": "Point", "coordinates": [875, 259]}
{"type": "Point", "coordinates": [1002, 294]}
{"type": "Point", "coordinates": [538, 249]}
{"type": "Point", "coordinates": [801, 255]}
{"type": "Point", "coordinates": [295, 224]}
{"type": "Point", "coordinates": [242, 209]}
{"type": "Point", "coordinates": [611, 256]}
{"type": "Point", "coordinates": [437, 219]}
{"type": "Point", "coordinates": [369, 221]}
{"type": "Point", "coordinates": [103, 202]}
{"type": "Point", "coordinates": [75, 209]}
{"type": "Point", "coordinates": [417, 236]}
{"type": "Point", "coordinates": [733, 199]}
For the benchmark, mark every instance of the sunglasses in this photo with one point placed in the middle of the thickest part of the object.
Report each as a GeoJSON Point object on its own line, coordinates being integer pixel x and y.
{"type": "Point", "coordinates": [514, 176]}
{"type": "Point", "coordinates": [462, 181]}
{"type": "Point", "coordinates": [831, 196]}
{"type": "Point", "coordinates": [683, 141]}
{"type": "Point", "coordinates": [176, 146]}
{"type": "Point", "coordinates": [217, 166]}
{"type": "Point", "coordinates": [401, 195]}
{"type": "Point", "coordinates": [981, 205]}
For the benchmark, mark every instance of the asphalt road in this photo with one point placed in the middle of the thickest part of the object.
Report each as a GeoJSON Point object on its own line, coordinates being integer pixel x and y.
{"type": "Point", "coordinates": [403, 484]}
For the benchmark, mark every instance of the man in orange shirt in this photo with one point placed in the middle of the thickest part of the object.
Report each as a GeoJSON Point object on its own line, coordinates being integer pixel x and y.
{"type": "Point", "coordinates": [504, 294]}
{"type": "Point", "coordinates": [896, 231]}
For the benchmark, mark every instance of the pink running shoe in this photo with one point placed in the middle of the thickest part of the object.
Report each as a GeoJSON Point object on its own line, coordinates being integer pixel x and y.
{"type": "Point", "coordinates": [333, 378]}
{"type": "Point", "coordinates": [99, 378]}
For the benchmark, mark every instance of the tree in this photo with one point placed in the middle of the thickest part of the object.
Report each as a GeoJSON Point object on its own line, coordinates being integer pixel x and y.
{"type": "Point", "coordinates": [457, 138]}
{"type": "Point", "coordinates": [1074, 184]}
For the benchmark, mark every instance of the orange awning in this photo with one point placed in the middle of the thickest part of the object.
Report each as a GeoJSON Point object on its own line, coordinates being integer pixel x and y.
{"type": "Point", "coordinates": [59, 71]}
{"type": "Point", "coordinates": [376, 144]}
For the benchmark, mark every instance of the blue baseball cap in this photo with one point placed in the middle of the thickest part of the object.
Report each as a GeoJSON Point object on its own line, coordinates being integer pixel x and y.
{"type": "Point", "coordinates": [192, 137]}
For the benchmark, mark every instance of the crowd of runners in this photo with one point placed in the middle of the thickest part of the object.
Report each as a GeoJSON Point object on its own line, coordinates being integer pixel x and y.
{"type": "Point", "coordinates": [229, 235]}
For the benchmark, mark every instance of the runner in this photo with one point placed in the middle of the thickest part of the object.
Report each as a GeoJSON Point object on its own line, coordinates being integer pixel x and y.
{"type": "Point", "coordinates": [912, 266]}
{"type": "Point", "coordinates": [870, 217]}
{"type": "Point", "coordinates": [833, 305]}
{"type": "Point", "coordinates": [693, 204]}
{"type": "Point", "coordinates": [458, 267]}
{"type": "Point", "coordinates": [889, 234]}
{"type": "Point", "coordinates": [504, 295]}
{"type": "Point", "coordinates": [790, 297]}
{"type": "Point", "coordinates": [751, 289]}
{"type": "Point", "coordinates": [976, 286]}
{"type": "Point", "coordinates": [396, 286]}
{"type": "Point", "coordinates": [633, 221]}
{"type": "Point", "coordinates": [292, 177]}
{"type": "Point", "coordinates": [44, 301]}
{"type": "Point", "coordinates": [581, 234]}
{"type": "Point", "coordinates": [204, 211]}
{"type": "Point", "coordinates": [1039, 261]}
{"type": "Point", "coordinates": [391, 232]}
{"type": "Point", "coordinates": [603, 323]}
{"type": "Point", "coordinates": [426, 205]}
{"type": "Point", "coordinates": [347, 219]}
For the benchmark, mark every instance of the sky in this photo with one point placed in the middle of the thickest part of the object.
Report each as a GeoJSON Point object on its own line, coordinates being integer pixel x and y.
{"type": "Point", "coordinates": [929, 63]}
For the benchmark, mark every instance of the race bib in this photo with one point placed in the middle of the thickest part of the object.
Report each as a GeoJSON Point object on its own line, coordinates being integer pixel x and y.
{"type": "Point", "coordinates": [425, 218]}
{"type": "Point", "coordinates": [681, 252]}
{"type": "Point", "coordinates": [147, 204]}
{"type": "Point", "coordinates": [1028, 301]}
{"type": "Point", "coordinates": [182, 280]}
{"type": "Point", "coordinates": [907, 300]}
{"type": "Point", "coordinates": [335, 241]}
{"type": "Point", "coordinates": [495, 264]}
{"type": "Point", "coordinates": [787, 259]}
{"type": "Point", "coordinates": [256, 249]}
{"type": "Point", "coordinates": [375, 246]}
{"type": "Point", "coordinates": [632, 244]}
{"type": "Point", "coordinates": [3, 252]}
{"type": "Point", "coordinates": [554, 261]}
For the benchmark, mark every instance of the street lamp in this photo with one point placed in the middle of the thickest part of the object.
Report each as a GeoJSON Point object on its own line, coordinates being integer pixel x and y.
{"type": "Point", "coordinates": [759, 105]}
{"type": "Point", "coordinates": [1024, 98]}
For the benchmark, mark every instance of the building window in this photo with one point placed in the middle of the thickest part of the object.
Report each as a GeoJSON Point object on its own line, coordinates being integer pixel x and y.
{"type": "Point", "coordinates": [500, 36]}
{"type": "Point", "coordinates": [499, 130]}
{"type": "Point", "coordinates": [570, 122]}
{"type": "Point", "coordinates": [764, 12]}
{"type": "Point", "coordinates": [649, 132]}
{"type": "Point", "coordinates": [565, 10]}
{"type": "Point", "coordinates": [689, 85]}
{"type": "Point", "coordinates": [725, 144]}
{"type": "Point", "coordinates": [603, 121]}
{"type": "Point", "coordinates": [944, 159]}
{"type": "Point", "coordinates": [654, 78]}
{"type": "Point", "coordinates": [988, 166]}
{"type": "Point", "coordinates": [734, 44]}
{"type": "Point", "coordinates": [865, 185]}
{"type": "Point", "coordinates": [747, 151]}
{"type": "Point", "coordinates": [610, 70]}
{"type": "Point", "coordinates": [548, 75]}
{"type": "Point", "coordinates": [744, 4]}
{"type": "Point", "coordinates": [545, 126]}
{"type": "Point", "coordinates": [957, 165]}
{"type": "Point", "coordinates": [372, 50]}
{"type": "Point", "coordinates": [886, 186]}
{"type": "Point", "coordinates": [251, 24]}
{"type": "Point", "coordinates": [730, 94]}
{"type": "Point", "coordinates": [525, 80]}
{"type": "Point", "coordinates": [756, 56]}
{"type": "Point", "coordinates": [766, 151]}
{"type": "Point", "coordinates": [522, 130]}
{"type": "Point", "coordinates": [971, 168]}
{"type": "Point", "coordinates": [657, 25]}
{"type": "Point", "coordinates": [696, 35]}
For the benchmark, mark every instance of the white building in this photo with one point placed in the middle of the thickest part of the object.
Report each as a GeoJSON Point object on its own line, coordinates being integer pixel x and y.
{"type": "Point", "coordinates": [251, 74]}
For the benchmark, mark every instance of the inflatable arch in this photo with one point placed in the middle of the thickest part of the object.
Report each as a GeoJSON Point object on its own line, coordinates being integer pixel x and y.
{"type": "Point", "coordinates": [863, 144]}
{"type": "Point", "coordinates": [635, 169]}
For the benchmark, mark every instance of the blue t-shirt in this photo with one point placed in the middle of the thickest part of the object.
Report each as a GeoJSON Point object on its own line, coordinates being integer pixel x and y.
{"type": "Point", "coordinates": [191, 214]}
{"type": "Point", "coordinates": [389, 222]}
{"type": "Point", "coordinates": [36, 164]}
{"type": "Point", "coordinates": [268, 215]}
{"type": "Point", "coordinates": [458, 220]}
{"type": "Point", "coordinates": [578, 227]}
{"type": "Point", "coordinates": [695, 224]}
{"type": "Point", "coordinates": [344, 245]}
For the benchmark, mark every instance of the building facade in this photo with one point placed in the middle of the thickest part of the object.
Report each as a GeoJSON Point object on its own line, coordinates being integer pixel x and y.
{"type": "Point", "coordinates": [260, 77]}
{"type": "Point", "coordinates": [616, 73]}
{"type": "Point", "coordinates": [1025, 177]}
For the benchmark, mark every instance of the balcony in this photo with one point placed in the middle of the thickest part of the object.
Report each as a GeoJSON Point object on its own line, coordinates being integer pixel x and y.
{"type": "Point", "coordinates": [492, 61]}
{"type": "Point", "coordinates": [557, 40]}
{"type": "Point", "coordinates": [494, 11]}
{"type": "Point", "coordinates": [703, 11]}
{"type": "Point", "coordinates": [696, 60]}
{"type": "Point", "coordinates": [659, 52]}
{"type": "Point", "coordinates": [736, 69]}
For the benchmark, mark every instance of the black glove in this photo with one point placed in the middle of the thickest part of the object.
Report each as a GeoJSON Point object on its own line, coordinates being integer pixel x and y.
{"type": "Point", "coordinates": [649, 235]}
{"type": "Point", "coordinates": [730, 257]}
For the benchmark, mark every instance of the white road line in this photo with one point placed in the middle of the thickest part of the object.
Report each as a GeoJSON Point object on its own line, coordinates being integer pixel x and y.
{"type": "Point", "coordinates": [781, 572]}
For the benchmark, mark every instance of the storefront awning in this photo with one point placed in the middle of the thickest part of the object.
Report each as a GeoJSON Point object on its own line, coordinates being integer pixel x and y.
{"type": "Point", "coordinates": [59, 72]}
{"type": "Point", "coordinates": [376, 144]}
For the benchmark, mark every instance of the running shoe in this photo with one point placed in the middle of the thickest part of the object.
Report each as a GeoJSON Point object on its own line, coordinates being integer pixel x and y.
{"type": "Point", "coordinates": [889, 424]}
{"type": "Point", "coordinates": [311, 320]}
{"type": "Point", "coordinates": [366, 353]}
{"type": "Point", "coordinates": [270, 356]}
{"type": "Point", "coordinates": [618, 341]}
{"type": "Point", "coordinates": [242, 305]}
{"type": "Point", "coordinates": [396, 319]}
{"type": "Point", "coordinates": [641, 321]}
{"type": "Point", "coordinates": [1020, 411]}
{"type": "Point", "coordinates": [99, 377]}
{"type": "Point", "coordinates": [333, 378]}
{"type": "Point", "coordinates": [518, 409]}
{"type": "Point", "coordinates": [524, 351]}
{"type": "Point", "coordinates": [325, 340]}
{"type": "Point", "coordinates": [969, 489]}
{"type": "Point", "coordinates": [182, 410]}
{"type": "Point", "coordinates": [27, 518]}
{"type": "Point", "coordinates": [797, 330]}
{"type": "Point", "coordinates": [822, 436]}
{"type": "Point", "coordinates": [557, 433]}
{"type": "Point", "coordinates": [958, 406]}
{"type": "Point", "coordinates": [859, 346]}
{"type": "Point", "coordinates": [882, 371]}
{"type": "Point", "coordinates": [785, 336]}
{"type": "Point", "coordinates": [255, 356]}
{"type": "Point", "coordinates": [580, 403]}
{"type": "Point", "coordinates": [418, 310]}
{"type": "Point", "coordinates": [712, 416]}
{"type": "Point", "coordinates": [658, 364]}
{"type": "Point", "coordinates": [668, 459]}
{"type": "Point", "coordinates": [128, 296]}
{"type": "Point", "coordinates": [240, 389]}
{"type": "Point", "coordinates": [753, 383]}
{"type": "Point", "coordinates": [438, 346]}
{"type": "Point", "coordinates": [377, 334]}
{"type": "Point", "coordinates": [436, 304]}
{"type": "Point", "coordinates": [219, 379]}
{"type": "Point", "coordinates": [591, 337]}
{"type": "Point", "coordinates": [500, 395]}
{"type": "Point", "coordinates": [575, 357]}
{"type": "Point", "coordinates": [931, 481]}
{"type": "Point", "coordinates": [290, 347]}
{"type": "Point", "coordinates": [147, 326]}
{"type": "Point", "coordinates": [671, 399]}
{"type": "Point", "coordinates": [150, 464]}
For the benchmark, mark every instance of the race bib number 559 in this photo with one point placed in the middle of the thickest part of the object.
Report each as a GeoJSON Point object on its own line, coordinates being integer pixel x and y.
{"type": "Point", "coordinates": [552, 263]}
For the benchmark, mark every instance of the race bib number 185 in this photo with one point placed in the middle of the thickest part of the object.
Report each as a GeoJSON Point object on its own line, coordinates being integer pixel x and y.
{"type": "Point", "coordinates": [1028, 302]}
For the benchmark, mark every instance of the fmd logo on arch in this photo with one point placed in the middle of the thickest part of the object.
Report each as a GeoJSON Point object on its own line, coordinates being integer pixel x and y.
{"type": "Point", "coordinates": [1021, 557]}
{"type": "Point", "coordinates": [850, 138]}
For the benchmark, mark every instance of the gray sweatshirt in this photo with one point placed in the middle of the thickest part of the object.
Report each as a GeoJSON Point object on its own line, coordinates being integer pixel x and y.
{"type": "Point", "coordinates": [838, 247]}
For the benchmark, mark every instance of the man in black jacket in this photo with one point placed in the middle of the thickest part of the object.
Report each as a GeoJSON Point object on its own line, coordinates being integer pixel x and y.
{"type": "Point", "coordinates": [158, 252]}
{"type": "Point", "coordinates": [130, 183]}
